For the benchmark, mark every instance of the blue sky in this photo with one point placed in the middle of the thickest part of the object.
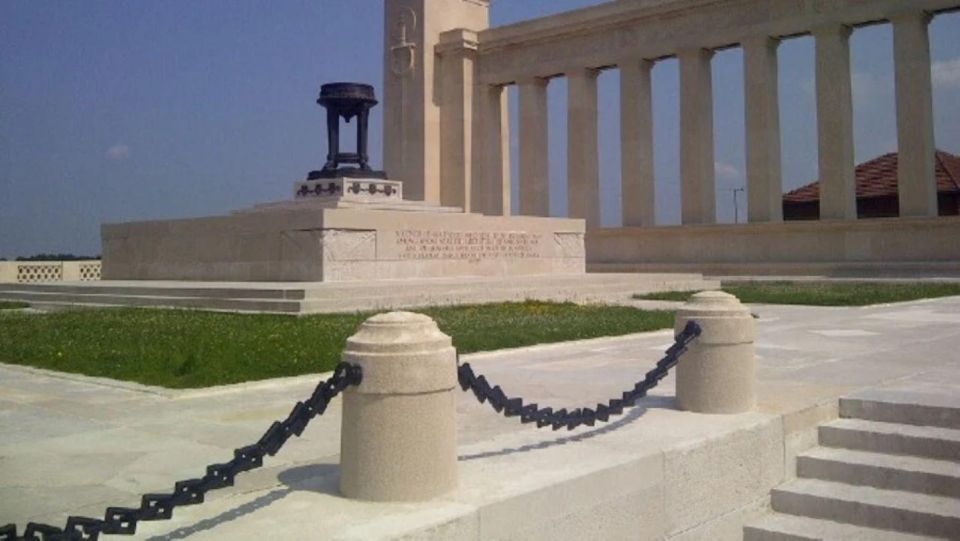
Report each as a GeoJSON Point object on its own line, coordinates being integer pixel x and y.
{"type": "Point", "coordinates": [122, 110]}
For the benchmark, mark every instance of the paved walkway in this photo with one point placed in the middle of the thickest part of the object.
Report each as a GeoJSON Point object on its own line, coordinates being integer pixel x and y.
{"type": "Point", "coordinates": [73, 445]}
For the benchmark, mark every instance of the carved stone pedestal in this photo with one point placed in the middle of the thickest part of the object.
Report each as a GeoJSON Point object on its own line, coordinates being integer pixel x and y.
{"type": "Point", "coordinates": [342, 230]}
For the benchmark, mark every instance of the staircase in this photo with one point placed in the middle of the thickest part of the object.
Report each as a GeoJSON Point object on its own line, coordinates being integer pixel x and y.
{"type": "Point", "coordinates": [325, 297]}
{"type": "Point", "coordinates": [889, 468]}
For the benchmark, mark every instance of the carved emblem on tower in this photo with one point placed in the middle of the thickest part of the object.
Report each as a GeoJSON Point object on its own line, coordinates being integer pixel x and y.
{"type": "Point", "coordinates": [403, 58]}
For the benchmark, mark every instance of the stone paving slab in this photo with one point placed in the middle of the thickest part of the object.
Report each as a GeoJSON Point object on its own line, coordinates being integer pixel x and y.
{"type": "Point", "coordinates": [70, 444]}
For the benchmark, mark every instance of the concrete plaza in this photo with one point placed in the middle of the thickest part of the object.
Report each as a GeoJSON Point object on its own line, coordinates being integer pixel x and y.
{"type": "Point", "coordinates": [75, 445]}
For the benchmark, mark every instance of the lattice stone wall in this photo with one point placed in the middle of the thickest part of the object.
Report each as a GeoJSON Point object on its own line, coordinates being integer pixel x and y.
{"type": "Point", "coordinates": [44, 272]}
{"type": "Point", "coordinates": [90, 271]}
{"type": "Point", "coordinates": [33, 272]}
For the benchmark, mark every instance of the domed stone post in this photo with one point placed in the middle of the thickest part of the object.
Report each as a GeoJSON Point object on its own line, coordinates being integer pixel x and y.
{"type": "Point", "coordinates": [398, 437]}
{"type": "Point", "coordinates": [717, 374]}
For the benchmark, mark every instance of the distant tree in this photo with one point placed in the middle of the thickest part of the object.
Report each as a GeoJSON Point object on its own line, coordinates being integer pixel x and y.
{"type": "Point", "coordinates": [56, 257]}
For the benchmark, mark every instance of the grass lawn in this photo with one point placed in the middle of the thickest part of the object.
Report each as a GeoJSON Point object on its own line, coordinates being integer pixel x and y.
{"type": "Point", "coordinates": [7, 305]}
{"type": "Point", "coordinates": [823, 293]}
{"type": "Point", "coordinates": [187, 349]}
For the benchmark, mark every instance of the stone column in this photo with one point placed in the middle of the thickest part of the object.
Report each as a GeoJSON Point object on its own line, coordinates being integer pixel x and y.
{"type": "Point", "coordinates": [838, 198]}
{"type": "Point", "coordinates": [760, 92]}
{"type": "Point", "coordinates": [717, 374]}
{"type": "Point", "coordinates": [916, 173]}
{"type": "Point", "coordinates": [583, 165]}
{"type": "Point", "coordinates": [411, 100]}
{"type": "Point", "coordinates": [491, 179]}
{"type": "Point", "coordinates": [697, 189]}
{"type": "Point", "coordinates": [398, 432]}
{"type": "Point", "coordinates": [534, 170]}
{"type": "Point", "coordinates": [458, 50]}
{"type": "Point", "coordinates": [636, 144]}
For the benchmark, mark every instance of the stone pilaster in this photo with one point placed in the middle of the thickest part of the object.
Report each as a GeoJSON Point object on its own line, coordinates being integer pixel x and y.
{"type": "Point", "coordinates": [636, 144]}
{"type": "Point", "coordinates": [491, 179]}
{"type": "Point", "coordinates": [838, 199]}
{"type": "Point", "coordinates": [534, 170]}
{"type": "Point", "coordinates": [458, 51]}
{"type": "Point", "coordinates": [411, 97]}
{"type": "Point", "coordinates": [760, 92]}
{"type": "Point", "coordinates": [697, 189]}
{"type": "Point", "coordinates": [583, 166]}
{"type": "Point", "coordinates": [916, 174]}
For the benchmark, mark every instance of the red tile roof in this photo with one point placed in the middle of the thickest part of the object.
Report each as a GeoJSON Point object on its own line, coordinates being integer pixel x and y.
{"type": "Point", "coordinates": [878, 178]}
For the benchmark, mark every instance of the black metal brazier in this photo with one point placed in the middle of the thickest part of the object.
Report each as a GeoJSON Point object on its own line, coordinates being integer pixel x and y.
{"type": "Point", "coordinates": [346, 100]}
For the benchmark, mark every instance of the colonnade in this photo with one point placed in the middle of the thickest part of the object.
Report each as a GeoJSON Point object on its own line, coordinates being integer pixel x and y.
{"type": "Point", "coordinates": [834, 106]}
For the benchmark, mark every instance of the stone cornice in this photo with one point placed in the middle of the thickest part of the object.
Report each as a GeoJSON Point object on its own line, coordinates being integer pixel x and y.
{"type": "Point", "coordinates": [457, 40]}
{"type": "Point", "coordinates": [586, 20]}
{"type": "Point", "coordinates": [598, 36]}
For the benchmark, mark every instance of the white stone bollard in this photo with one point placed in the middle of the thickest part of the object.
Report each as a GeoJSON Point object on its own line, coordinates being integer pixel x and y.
{"type": "Point", "coordinates": [717, 374]}
{"type": "Point", "coordinates": [398, 433]}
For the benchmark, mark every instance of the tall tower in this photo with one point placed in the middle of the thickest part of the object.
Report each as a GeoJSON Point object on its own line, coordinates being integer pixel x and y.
{"type": "Point", "coordinates": [411, 114]}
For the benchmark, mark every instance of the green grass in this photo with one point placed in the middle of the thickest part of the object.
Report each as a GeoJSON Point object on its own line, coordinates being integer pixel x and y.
{"type": "Point", "coordinates": [188, 349]}
{"type": "Point", "coordinates": [5, 305]}
{"type": "Point", "coordinates": [680, 296]}
{"type": "Point", "coordinates": [823, 293]}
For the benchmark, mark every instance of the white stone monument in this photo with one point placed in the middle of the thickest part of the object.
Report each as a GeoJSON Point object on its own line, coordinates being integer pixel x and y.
{"type": "Point", "coordinates": [358, 226]}
{"type": "Point", "coordinates": [340, 230]}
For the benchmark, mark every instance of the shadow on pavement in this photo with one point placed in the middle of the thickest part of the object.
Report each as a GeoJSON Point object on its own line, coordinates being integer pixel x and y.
{"type": "Point", "coordinates": [311, 477]}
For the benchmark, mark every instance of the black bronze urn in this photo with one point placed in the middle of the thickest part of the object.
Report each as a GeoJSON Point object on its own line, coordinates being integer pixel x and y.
{"type": "Point", "coordinates": [346, 100]}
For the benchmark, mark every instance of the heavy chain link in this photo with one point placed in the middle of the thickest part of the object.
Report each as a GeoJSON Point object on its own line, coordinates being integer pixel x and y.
{"type": "Point", "coordinates": [123, 520]}
{"type": "Point", "coordinates": [543, 417]}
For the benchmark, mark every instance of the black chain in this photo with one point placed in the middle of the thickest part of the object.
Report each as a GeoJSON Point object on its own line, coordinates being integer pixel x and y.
{"type": "Point", "coordinates": [123, 520]}
{"type": "Point", "coordinates": [531, 413]}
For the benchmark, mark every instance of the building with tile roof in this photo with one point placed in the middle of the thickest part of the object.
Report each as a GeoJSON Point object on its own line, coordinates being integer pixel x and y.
{"type": "Point", "coordinates": [877, 190]}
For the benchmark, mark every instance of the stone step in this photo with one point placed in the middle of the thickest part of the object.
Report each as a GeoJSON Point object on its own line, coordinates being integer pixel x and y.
{"type": "Point", "coordinates": [913, 407]}
{"type": "Point", "coordinates": [414, 295]}
{"type": "Point", "coordinates": [781, 527]}
{"type": "Point", "coordinates": [618, 291]}
{"type": "Point", "coordinates": [160, 289]}
{"type": "Point", "coordinates": [865, 269]}
{"type": "Point", "coordinates": [345, 304]}
{"type": "Point", "coordinates": [922, 441]}
{"type": "Point", "coordinates": [871, 507]}
{"type": "Point", "coordinates": [894, 472]}
{"type": "Point", "coordinates": [102, 301]}
{"type": "Point", "coordinates": [307, 298]}
{"type": "Point", "coordinates": [301, 290]}
{"type": "Point", "coordinates": [614, 284]}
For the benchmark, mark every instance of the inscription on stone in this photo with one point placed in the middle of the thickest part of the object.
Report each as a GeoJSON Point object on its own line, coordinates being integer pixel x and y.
{"type": "Point", "coordinates": [472, 245]}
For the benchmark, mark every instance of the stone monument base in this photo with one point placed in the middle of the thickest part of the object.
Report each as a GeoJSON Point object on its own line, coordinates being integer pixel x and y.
{"type": "Point", "coordinates": [300, 298]}
{"type": "Point", "coordinates": [345, 230]}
